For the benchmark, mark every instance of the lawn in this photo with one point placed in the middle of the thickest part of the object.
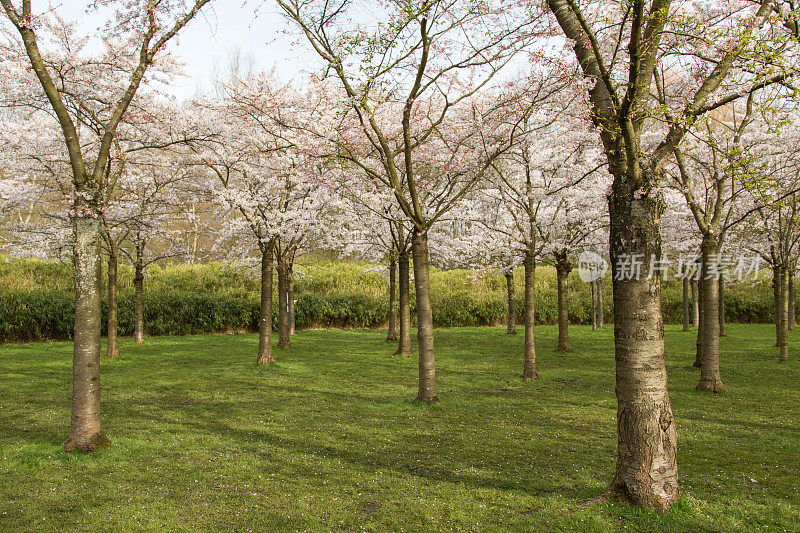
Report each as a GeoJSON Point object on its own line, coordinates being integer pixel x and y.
{"type": "Point", "coordinates": [328, 438]}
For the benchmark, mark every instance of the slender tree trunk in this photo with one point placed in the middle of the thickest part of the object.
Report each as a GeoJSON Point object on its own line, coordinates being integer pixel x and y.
{"type": "Point", "coordinates": [790, 298]}
{"type": "Point", "coordinates": [138, 303]}
{"type": "Point", "coordinates": [698, 354]}
{"type": "Point", "coordinates": [722, 318]}
{"type": "Point", "coordinates": [529, 361]}
{"type": "Point", "coordinates": [686, 314]}
{"type": "Point", "coordinates": [776, 303]}
{"type": "Point", "coordinates": [85, 433]}
{"type": "Point", "coordinates": [594, 306]}
{"type": "Point", "coordinates": [265, 316]}
{"type": "Point", "coordinates": [695, 305]}
{"type": "Point", "coordinates": [783, 315]}
{"type": "Point", "coordinates": [404, 347]}
{"type": "Point", "coordinates": [391, 334]}
{"type": "Point", "coordinates": [601, 320]}
{"type": "Point", "coordinates": [283, 315]}
{"type": "Point", "coordinates": [710, 378]}
{"type": "Point", "coordinates": [647, 472]}
{"type": "Point", "coordinates": [113, 340]}
{"type": "Point", "coordinates": [290, 298]}
{"type": "Point", "coordinates": [511, 318]}
{"type": "Point", "coordinates": [427, 365]}
{"type": "Point", "coordinates": [563, 268]}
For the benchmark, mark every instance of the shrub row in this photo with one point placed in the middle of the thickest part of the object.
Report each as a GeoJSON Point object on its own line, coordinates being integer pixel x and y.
{"type": "Point", "coordinates": [39, 316]}
{"type": "Point", "coordinates": [36, 302]}
{"type": "Point", "coordinates": [36, 316]}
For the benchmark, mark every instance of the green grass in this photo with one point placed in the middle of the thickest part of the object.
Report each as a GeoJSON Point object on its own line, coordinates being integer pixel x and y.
{"type": "Point", "coordinates": [328, 438]}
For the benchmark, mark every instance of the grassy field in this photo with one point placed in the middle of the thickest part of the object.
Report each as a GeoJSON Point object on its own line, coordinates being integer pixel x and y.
{"type": "Point", "coordinates": [328, 439]}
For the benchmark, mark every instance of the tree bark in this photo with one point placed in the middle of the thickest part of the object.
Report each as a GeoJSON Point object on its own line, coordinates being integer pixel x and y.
{"type": "Point", "coordinates": [85, 433]}
{"type": "Point", "coordinates": [265, 355]}
{"type": "Point", "coordinates": [283, 315]}
{"type": "Point", "coordinates": [594, 305]}
{"type": "Point", "coordinates": [686, 314]}
{"type": "Point", "coordinates": [601, 320]}
{"type": "Point", "coordinates": [511, 318]}
{"type": "Point", "coordinates": [776, 303]}
{"type": "Point", "coordinates": [708, 334]}
{"type": "Point", "coordinates": [290, 297]}
{"type": "Point", "coordinates": [647, 472]}
{"type": "Point", "coordinates": [722, 318]}
{"type": "Point", "coordinates": [563, 268]}
{"type": "Point", "coordinates": [529, 360]}
{"type": "Point", "coordinates": [790, 298]}
{"type": "Point", "coordinates": [783, 321]}
{"type": "Point", "coordinates": [698, 354]}
{"type": "Point", "coordinates": [695, 305]}
{"type": "Point", "coordinates": [427, 365]}
{"type": "Point", "coordinates": [112, 350]}
{"type": "Point", "coordinates": [391, 334]}
{"type": "Point", "coordinates": [404, 347]}
{"type": "Point", "coordinates": [138, 302]}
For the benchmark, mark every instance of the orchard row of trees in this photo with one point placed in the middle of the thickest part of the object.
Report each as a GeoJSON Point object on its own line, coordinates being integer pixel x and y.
{"type": "Point", "coordinates": [460, 133]}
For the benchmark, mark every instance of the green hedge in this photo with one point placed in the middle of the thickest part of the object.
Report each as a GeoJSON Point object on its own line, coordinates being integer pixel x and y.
{"type": "Point", "coordinates": [36, 301]}
{"type": "Point", "coordinates": [36, 316]}
{"type": "Point", "coordinates": [339, 311]}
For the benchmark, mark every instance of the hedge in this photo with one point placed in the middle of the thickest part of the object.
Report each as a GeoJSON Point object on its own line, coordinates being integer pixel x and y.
{"type": "Point", "coordinates": [36, 302]}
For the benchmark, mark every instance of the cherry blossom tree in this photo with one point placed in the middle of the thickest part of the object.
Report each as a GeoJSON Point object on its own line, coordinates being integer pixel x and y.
{"type": "Point", "coordinates": [572, 214]}
{"type": "Point", "coordinates": [409, 80]}
{"type": "Point", "coordinates": [372, 227]}
{"type": "Point", "coordinates": [710, 172]}
{"type": "Point", "coordinates": [624, 50]}
{"type": "Point", "coordinates": [133, 39]}
{"type": "Point", "coordinates": [769, 223]}
{"type": "Point", "coordinates": [542, 198]}
{"type": "Point", "coordinates": [267, 185]}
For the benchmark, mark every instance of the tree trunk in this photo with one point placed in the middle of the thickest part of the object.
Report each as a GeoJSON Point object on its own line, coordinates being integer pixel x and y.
{"type": "Point", "coordinates": [710, 379]}
{"type": "Point", "coordinates": [601, 320]}
{"type": "Point", "coordinates": [113, 340]}
{"type": "Point", "coordinates": [783, 322]}
{"type": "Point", "coordinates": [85, 433]}
{"type": "Point", "coordinates": [698, 354]}
{"type": "Point", "coordinates": [427, 366]}
{"type": "Point", "coordinates": [283, 314]}
{"type": "Point", "coordinates": [695, 305]}
{"type": "Point", "coordinates": [529, 361]}
{"type": "Point", "coordinates": [391, 334]}
{"type": "Point", "coordinates": [594, 306]}
{"type": "Point", "coordinates": [790, 298]}
{"type": "Point", "coordinates": [404, 347]}
{"type": "Point", "coordinates": [563, 268]}
{"type": "Point", "coordinates": [265, 316]}
{"type": "Point", "coordinates": [138, 303]}
{"type": "Point", "coordinates": [776, 303]}
{"type": "Point", "coordinates": [686, 314]}
{"type": "Point", "coordinates": [290, 298]}
{"type": "Point", "coordinates": [647, 472]}
{"type": "Point", "coordinates": [722, 318]}
{"type": "Point", "coordinates": [511, 318]}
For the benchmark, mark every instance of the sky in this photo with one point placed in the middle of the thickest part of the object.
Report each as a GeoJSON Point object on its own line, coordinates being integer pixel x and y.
{"type": "Point", "coordinates": [254, 27]}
